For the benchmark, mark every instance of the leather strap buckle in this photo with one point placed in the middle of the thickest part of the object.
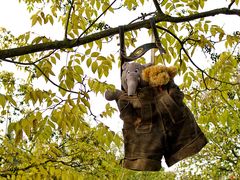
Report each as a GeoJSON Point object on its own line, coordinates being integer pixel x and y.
{"type": "Point", "coordinates": [141, 50]}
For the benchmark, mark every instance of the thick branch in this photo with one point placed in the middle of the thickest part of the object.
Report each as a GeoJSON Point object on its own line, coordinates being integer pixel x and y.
{"type": "Point", "coordinates": [109, 32]}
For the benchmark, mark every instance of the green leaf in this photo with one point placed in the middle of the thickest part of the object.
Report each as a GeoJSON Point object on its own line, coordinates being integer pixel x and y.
{"type": "Point", "coordinates": [53, 60]}
{"type": "Point", "coordinates": [26, 125]}
{"type": "Point", "coordinates": [63, 92]}
{"type": "Point", "coordinates": [34, 19]}
{"type": "Point", "coordinates": [101, 58]}
{"type": "Point", "coordinates": [88, 51]}
{"type": "Point", "coordinates": [100, 72]}
{"type": "Point", "coordinates": [94, 66]}
{"type": "Point", "coordinates": [11, 100]}
{"type": "Point", "coordinates": [206, 27]}
{"type": "Point", "coordinates": [57, 55]}
{"type": "Point", "coordinates": [95, 54]}
{"type": "Point", "coordinates": [105, 6]}
{"type": "Point", "coordinates": [201, 2]}
{"type": "Point", "coordinates": [2, 100]}
{"type": "Point", "coordinates": [105, 71]}
{"type": "Point", "coordinates": [89, 61]}
{"type": "Point", "coordinates": [78, 69]}
{"type": "Point", "coordinates": [164, 2]}
{"type": "Point", "coordinates": [82, 108]}
{"type": "Point", "coordinates": [85, 102]}
{"type": "Point", "coordinates": [50, 18]}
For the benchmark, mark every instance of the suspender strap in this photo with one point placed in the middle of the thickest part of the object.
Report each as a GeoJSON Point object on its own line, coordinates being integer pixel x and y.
{"type": "Point", "coordinates": [157, 39]}
{"type": "Point", "coordinates": [122, 45]}
{"type": "Point", "coordinates": [141, 50]}
{"type": "Point", "coordinates": [122, 50]}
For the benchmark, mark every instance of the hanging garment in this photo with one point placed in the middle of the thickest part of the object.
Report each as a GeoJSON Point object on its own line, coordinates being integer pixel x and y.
{"type": "Point", "coordinates": [157, 123]}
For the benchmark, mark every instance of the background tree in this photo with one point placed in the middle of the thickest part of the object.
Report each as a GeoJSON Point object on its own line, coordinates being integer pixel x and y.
{"type": "Point", "coordinates": [49, 126]}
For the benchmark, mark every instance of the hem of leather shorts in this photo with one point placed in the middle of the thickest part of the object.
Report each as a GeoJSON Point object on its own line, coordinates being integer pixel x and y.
{"type": "Point", "coordinates": [142, 164]}
{"type": "Point", "coordinates": [190, 149]}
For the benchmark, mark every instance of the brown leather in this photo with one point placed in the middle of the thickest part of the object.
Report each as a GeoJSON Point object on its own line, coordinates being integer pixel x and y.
{"type": "Point", "coordinates": [141, 50]}
{"type": "Point", "coordinates": [161, 125]}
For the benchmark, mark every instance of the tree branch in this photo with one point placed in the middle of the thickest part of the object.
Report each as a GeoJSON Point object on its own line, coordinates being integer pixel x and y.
{"type": "Point", "coordinates": [55, 84]}
{"type": "Point", "coordinates": [193, 63]}
{"type": "Point", "coordinates": [68, 18]}
{"type": "Point", "coordinates": [95, 20]}
{"type": "Point", "coordinates": [230, 5]}
{"type": "Point", "coordinates": [158, 7]}
{"type": "Point", "coordinates": [28, 63]}
{"type": "Point", "coordinates": [37, 67]}
{"type": "Point", "coordinates": [110, 32]}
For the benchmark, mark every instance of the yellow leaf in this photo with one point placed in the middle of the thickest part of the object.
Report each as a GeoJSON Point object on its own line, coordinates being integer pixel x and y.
{"type": "Point", "coordinates": [98, 4]}
{"type": "Point", "coordinates": [89, 61]}
{"type": "Point", "coordinates": [85, 102]}
{"type": "Point", "coordinates": [206, 27]}
{"type": "Point", "coordinates": [50, 18]}
{"type": "Point", "coordinates": [19, 135]}
{"type": "Point", "coordinates": [39, 19]}
{"type": "Point", "coordinates": [34, 19]}
{"type": "Point", "coordinates": [57, 55]}
{"type": "Point", "coordinates": [78, 70]}
{"type": "Point", "coordinates": [92, 2]}
{"type": "Point", "coordinates": [87, 52]}
{"type": "Point", "coordinates": [95, 54]}
{"type": "Point", "coordinates": [164, 2]}
{"type": "Point", "coordinates": [53, 60]}
{"type": "Point", "coordinates": [201, 2]}
{"type": "Point", "coordinates": [2, 100]}
{"type": "Point", "coordinates": [82, 108]}
{"type": "Point", "coordinates": [94, 66]}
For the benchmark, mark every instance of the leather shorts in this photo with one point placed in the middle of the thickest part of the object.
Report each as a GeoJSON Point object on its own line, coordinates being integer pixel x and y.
{"type": "Point", "coordinates": [161, 126]}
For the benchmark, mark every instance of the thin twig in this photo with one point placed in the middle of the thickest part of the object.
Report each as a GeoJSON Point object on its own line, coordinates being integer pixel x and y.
{"type": "Point", "coordinates": [194, 64]}
{"type": "Point", "coordinates": [34, 64]}
{"type": "Point", "coordinates": [55, 84]}
{"type": "Point", "coordinates": [230, 5]}
{"type": "Point", "coordinates": [95, 20]}
{"type": "Point", "coordinates": [29, 63]}
{"type": "Point", "coordinates": [159, 10]}
{"type": "Point", "coordinates": [142, 17]}
{"type": "Point", "coordinates": [68, 18]}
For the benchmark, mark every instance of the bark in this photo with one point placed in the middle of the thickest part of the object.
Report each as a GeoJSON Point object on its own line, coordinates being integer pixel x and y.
{"type": "Point", "coordinates": [8, 53]}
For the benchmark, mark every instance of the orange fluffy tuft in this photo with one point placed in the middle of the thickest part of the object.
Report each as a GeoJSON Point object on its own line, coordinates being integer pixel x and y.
{"type": "Point", "coordinates": [158, 75]}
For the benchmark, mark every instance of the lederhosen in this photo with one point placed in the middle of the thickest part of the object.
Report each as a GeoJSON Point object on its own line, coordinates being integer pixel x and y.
{"type": "Point", "coordinates": [157, 123]}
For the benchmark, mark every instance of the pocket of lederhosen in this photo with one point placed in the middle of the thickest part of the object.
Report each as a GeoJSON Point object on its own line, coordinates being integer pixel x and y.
{"type": "Point", "coordinates": [129, 106]}
{"type": "Point", "coordinates": [166, 105]}
{"type": "Point", "coordinates": [126, 111]}
{"type": "Point", "coordinates": [145, 125]}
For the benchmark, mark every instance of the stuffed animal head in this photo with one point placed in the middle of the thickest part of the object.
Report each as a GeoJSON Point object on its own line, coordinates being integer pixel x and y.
{"type": "Point", "coordinates": [131, 77]}
{"type": "Point", "coordinates": [158, 75]}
